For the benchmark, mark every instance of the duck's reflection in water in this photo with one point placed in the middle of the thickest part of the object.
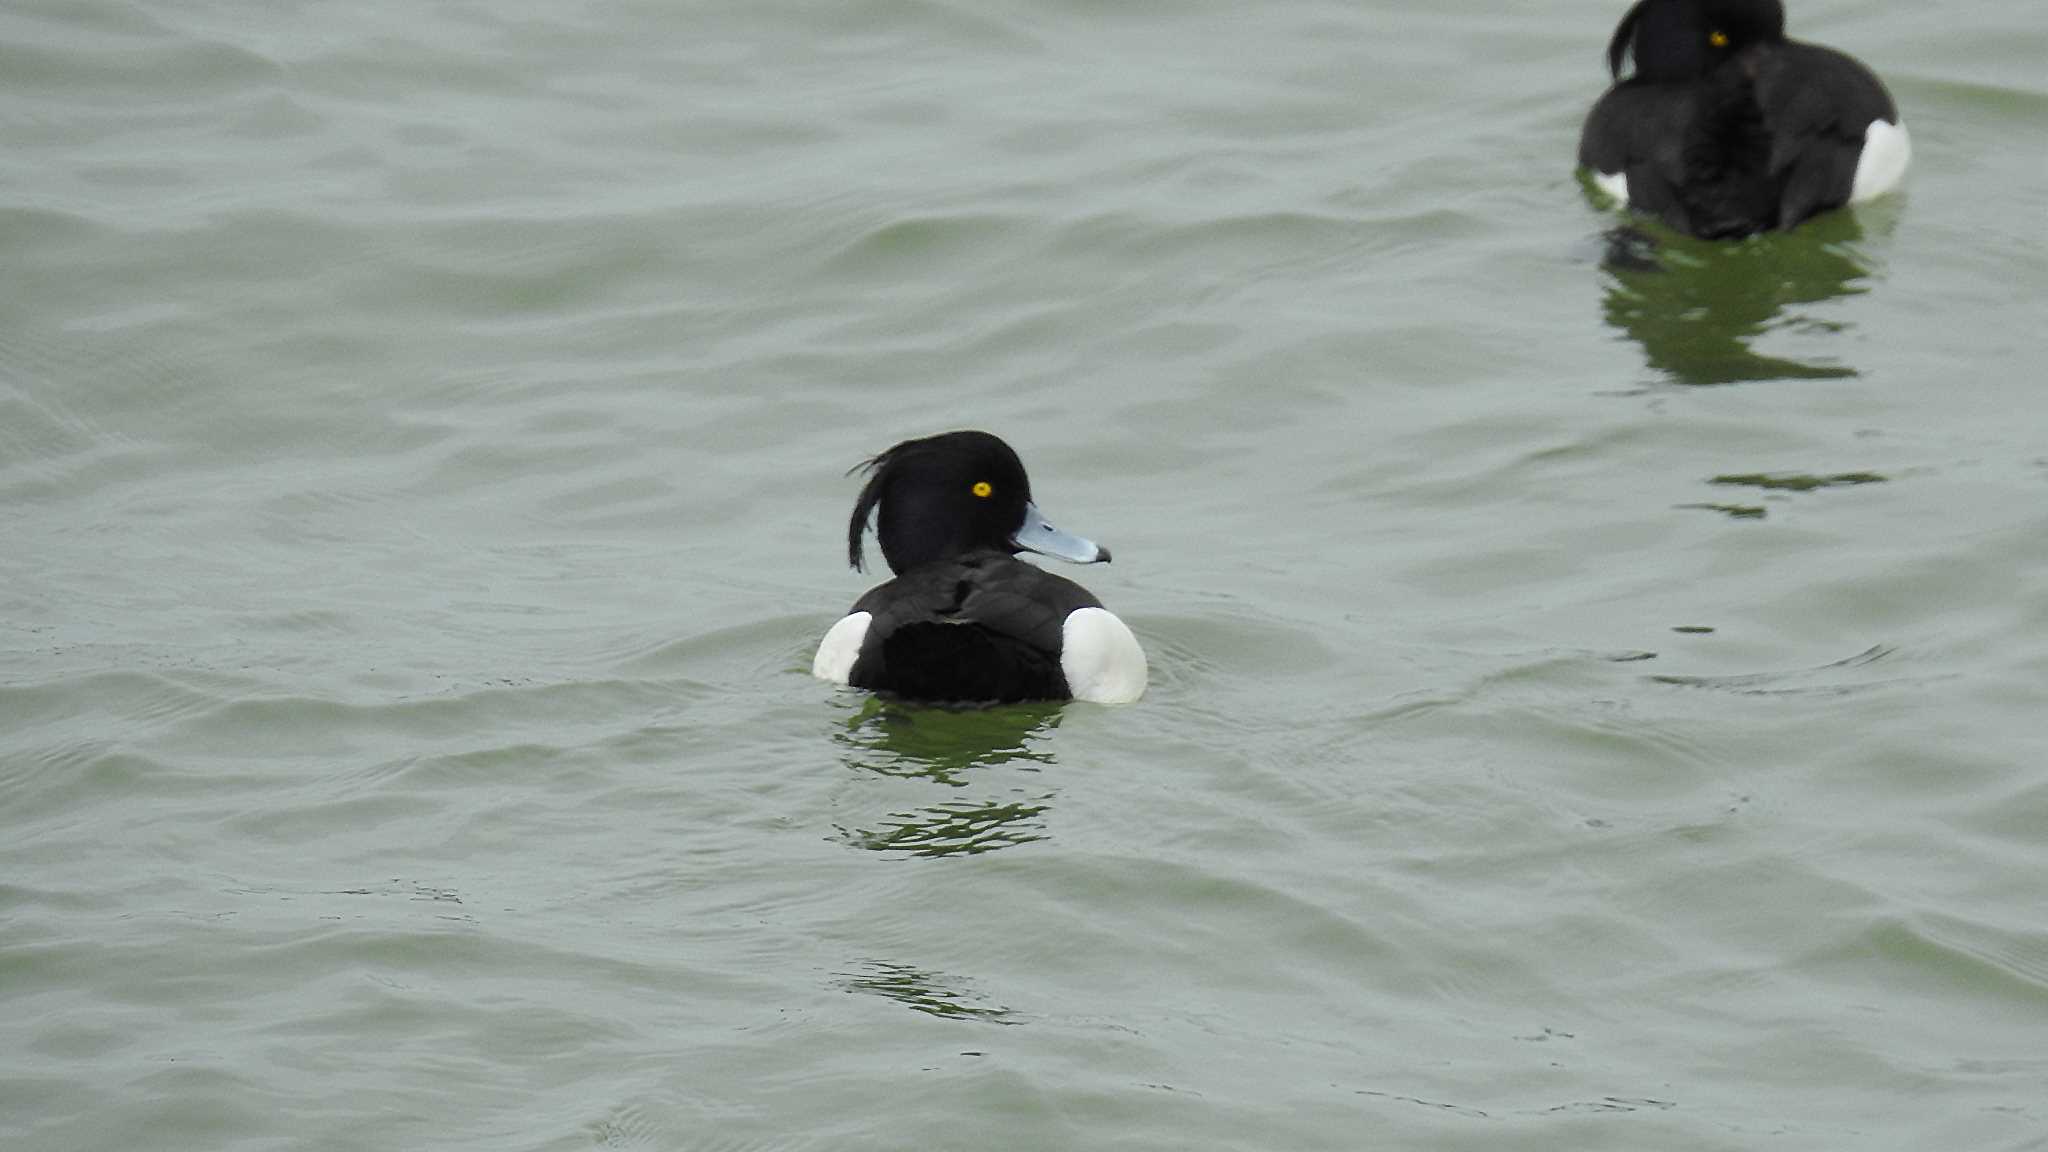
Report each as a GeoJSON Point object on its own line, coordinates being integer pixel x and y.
{"type": "Point", "coordinates": [920, 990]}
{"type": "Point", "coordinates": [1696, 306]}
{"type": "Point", "coordinates": [952, 747]}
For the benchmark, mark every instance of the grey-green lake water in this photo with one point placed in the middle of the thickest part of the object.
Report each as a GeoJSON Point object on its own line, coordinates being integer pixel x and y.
{"type": "Point", "coordinates": [1598, 689]}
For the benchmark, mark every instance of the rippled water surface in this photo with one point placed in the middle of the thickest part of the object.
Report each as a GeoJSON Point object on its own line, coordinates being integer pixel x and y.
{"type": "Point", "coordinates": [1598, 680]}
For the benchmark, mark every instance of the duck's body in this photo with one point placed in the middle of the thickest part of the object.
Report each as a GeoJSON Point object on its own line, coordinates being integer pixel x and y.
{"type": "Point", "coordinates": [966, 621]}
{"type": "Point", "coordinates": [986, 626]}
{"type": "Point", "coordinates": [1727, 128]}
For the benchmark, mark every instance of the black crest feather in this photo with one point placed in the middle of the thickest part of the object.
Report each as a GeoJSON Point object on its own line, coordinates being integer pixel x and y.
{"type": "Point", "coordinates": [857, 528]}
{"type": "Point", "coordinates": [1617, 48]}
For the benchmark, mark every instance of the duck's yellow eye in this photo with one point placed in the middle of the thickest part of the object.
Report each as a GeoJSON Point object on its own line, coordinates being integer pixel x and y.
{"type": "Point", "coordinates": [1718, 39]}
{"type": "Point", "coordinates": [983, 489]}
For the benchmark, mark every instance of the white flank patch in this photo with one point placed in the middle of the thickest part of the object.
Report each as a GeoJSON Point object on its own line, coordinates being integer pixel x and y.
{"type": "Point", "coordinates": [1887, 150]}
{"type": "Point", "coordinates": [840, 648]}
{"type": "Point", "coordinates": [1615, 184]}
{"type": "Point", "coordinates": [1100, 657]}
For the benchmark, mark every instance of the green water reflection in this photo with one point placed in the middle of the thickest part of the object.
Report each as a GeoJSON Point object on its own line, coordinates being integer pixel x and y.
{"type": "Point", "coordinates": [923, 991]}
{"type": "Point", "coordinates": [950, 747]}
{"type": "Point", "coordinates": [1797, 481]}
{"type": "Point", "coordinates": [1788, 482]}
{"type": "Point", "coordinates": [1697, 306]}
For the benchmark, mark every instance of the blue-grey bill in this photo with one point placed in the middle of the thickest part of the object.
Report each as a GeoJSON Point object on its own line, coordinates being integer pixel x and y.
{"type": "Point", "coordinates": [1038, 536]}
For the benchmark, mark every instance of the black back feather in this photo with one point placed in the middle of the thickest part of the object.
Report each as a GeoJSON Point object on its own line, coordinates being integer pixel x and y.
{"type": "Point", "coordinates": [985, 626]}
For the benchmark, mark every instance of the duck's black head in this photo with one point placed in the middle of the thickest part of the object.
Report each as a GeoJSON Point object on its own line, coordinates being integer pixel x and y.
{"type": "Point", "coordinates": [951, 494]}
{"type": "Point", "coordinates": [1682, 39]}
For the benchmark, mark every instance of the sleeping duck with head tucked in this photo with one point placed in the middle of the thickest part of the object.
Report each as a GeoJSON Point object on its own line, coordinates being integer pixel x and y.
{"type": "Point", "coordinates": [965, 621]}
